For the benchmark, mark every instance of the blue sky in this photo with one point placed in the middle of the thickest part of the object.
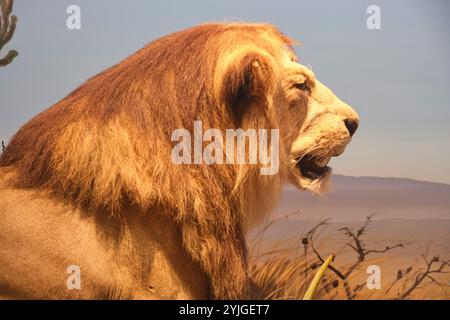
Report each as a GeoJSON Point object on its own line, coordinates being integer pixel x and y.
{"type": "Point", "coordinates": [397, 78]}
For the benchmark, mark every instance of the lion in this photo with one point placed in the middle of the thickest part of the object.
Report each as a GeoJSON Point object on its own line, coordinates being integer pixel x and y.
{"type": "Point", "coordinates": [90, 182]}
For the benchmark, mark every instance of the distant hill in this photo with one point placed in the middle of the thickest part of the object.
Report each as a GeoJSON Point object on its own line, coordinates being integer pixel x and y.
{"type": "Point", "coordinates": [353, 198]}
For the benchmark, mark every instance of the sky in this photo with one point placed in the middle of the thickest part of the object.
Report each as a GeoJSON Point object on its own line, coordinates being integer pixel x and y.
{"type": "Point", "coordinates": [397, 78]}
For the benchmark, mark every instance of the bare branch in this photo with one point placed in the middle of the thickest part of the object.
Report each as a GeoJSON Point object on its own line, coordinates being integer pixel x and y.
{"type": "Point", "coordinates": [421, 276]}
{"type": "Point", "coordinates": [7, 27]}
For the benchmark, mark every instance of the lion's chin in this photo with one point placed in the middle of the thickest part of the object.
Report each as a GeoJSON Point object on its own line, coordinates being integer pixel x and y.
{"type": "Point", "coordinates": [317, 182]}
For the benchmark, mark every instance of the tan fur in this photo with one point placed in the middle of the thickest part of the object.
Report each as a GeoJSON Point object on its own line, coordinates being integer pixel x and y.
{"type": "Point", "coordinates": [104, 150]}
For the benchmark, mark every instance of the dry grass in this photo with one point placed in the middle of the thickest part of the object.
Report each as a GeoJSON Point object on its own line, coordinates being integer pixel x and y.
{"type": "Point", "coordinates": [285, 270]}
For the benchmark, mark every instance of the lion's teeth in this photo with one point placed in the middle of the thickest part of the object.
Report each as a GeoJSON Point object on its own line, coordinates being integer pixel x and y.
{"type": "Point", "coordinates": [322, 162]}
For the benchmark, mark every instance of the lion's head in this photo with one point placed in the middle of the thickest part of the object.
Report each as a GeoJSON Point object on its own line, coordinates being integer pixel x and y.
{"type": "Point", "coordinates": [268, 82]}
{"type": "Point", "coordinates": [108, 143]}
{"type": "Point", "coordinates": [325, 131]}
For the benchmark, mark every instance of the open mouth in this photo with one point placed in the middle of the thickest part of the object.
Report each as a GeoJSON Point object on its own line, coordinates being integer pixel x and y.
{"type": "Point", "coordinates": [311, 167]}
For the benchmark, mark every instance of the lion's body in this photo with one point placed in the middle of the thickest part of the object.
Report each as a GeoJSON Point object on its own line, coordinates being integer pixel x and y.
{"type": "Point", "coordinates": [139, 256]}
{"type": "Point", "coordinates": [90, 181]}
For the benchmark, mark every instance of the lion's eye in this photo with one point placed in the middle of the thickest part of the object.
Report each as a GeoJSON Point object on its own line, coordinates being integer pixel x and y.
{"type": "Point", "coordinates": [301, 86]}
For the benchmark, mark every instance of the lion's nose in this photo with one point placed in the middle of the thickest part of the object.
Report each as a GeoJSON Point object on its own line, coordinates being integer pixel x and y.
{"type": "Point", "coordinates": [351, 126]}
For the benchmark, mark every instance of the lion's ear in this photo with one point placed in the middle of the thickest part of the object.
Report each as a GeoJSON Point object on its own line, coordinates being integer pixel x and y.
{"type": "Point", "coordinates": [249, 79]}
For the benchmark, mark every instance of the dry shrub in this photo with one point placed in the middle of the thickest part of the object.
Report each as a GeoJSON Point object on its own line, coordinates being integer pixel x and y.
{"type": "Point", "coordinates": [280, 272]}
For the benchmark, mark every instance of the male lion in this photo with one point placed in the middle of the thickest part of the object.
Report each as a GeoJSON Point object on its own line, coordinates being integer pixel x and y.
{"type": "Point", "coordinates": [90, 181]}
